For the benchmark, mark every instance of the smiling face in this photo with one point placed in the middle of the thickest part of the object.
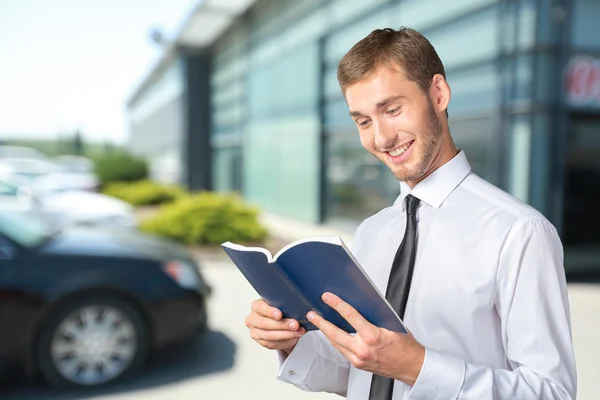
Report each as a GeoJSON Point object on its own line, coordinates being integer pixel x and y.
{"type": "Point", "coordinates": [400, 124]}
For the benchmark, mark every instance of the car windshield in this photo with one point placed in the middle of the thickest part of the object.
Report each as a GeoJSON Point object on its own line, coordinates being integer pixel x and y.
{"type": "Point", "coordinates": [25, 230]}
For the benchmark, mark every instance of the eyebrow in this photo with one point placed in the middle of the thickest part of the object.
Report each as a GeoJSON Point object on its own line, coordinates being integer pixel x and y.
{"type": "Point", "coordinates": [381, 104]}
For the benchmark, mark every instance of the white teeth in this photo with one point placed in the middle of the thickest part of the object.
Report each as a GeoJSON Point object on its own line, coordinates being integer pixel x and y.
{"type": "Point", "coordinates": [399, 150]}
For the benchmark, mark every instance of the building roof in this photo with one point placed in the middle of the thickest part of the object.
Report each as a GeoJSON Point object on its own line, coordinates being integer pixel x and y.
{"type": "Point", "coordinates": [204, 24]}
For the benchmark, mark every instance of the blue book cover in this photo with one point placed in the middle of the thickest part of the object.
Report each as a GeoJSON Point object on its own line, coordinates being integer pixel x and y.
{"type": "Point", "coordinates": [296, 277]}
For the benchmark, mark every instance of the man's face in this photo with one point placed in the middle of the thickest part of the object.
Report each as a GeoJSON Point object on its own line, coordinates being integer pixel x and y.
{"type": "Point", "coordinates": [396, 122]}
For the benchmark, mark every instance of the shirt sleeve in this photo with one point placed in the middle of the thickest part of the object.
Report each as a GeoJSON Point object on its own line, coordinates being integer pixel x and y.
{"type": "Point", "coordinates": [532, 303]}
{"type": "Point", "coordinates": [315, 366]}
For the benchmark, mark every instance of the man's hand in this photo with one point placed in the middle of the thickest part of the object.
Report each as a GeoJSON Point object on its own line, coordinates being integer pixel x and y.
{"type": "Point", "coordinates": [391, 354]}
{"type": "Point", "coordinates": [271, 331]}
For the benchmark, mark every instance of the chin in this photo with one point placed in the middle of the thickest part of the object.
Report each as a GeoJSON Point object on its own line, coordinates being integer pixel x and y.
{"type": "Point", "coordinates": [407, 173]}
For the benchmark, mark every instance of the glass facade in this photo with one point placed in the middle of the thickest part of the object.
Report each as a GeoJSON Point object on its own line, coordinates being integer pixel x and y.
{"type": "Point", "coordinates": [156, 124]}
{"type": "Point", "coordinates": [278, 109]}
{"type": "Point", "coordinates": [580, 140]}
{"type": "Point", "coordinates": [229, 109]}
{"type": "Point", "coordinates": [525, 103]}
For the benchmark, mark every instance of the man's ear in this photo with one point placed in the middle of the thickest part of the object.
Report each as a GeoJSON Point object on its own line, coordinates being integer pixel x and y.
{"type": "Point", "coordinates": [440, 93]}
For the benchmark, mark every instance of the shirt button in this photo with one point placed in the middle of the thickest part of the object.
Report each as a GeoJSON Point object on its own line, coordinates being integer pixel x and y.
{"type": "Point", "coordinates": [292, 372]}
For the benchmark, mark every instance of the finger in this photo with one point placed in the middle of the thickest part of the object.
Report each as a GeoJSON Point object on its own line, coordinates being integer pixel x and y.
{"type": "Point", "coordinates": [275, 336]}
{"type": "Point", "coordinates": [261, 307]}
{"type": "Point", "coordinates": [258, 321]}
{"type": "Point", "coordinates": [348, 312]}
{"type": "Point", "coordinates": [348, 354]}
{"type": "Point", "coordinates": [332, 332]}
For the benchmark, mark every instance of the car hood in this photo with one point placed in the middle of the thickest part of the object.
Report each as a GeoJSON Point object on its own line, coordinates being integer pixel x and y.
{"type": "Point", "coordinates": [66, 181]}
{"type": "Point", "coordinates": [85, 202]}
{"type": "Point", "coordinates": [113, 243]}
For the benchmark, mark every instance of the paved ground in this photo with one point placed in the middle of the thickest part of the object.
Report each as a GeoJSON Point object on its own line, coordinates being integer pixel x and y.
{"type": "Point", "coordinates": [226, 364]}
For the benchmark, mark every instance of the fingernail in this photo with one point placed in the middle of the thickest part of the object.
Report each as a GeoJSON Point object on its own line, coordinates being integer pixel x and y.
{"type": "Point", "coordinates": [275, 314]}
{"type": "Point", "coordinates": [326, 297]}
{"type": "Point", "coordinates": [292, 325]}
{"type": "Point", "coordinates": [310, 316]}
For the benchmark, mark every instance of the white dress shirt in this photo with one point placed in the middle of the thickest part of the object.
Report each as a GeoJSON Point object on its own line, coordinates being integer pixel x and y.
{"type": "Point", "coordinates": [488, 298]}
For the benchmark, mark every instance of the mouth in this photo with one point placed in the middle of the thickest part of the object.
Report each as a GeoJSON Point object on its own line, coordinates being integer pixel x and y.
{"type": "Point", "coordinates": [401, 153]}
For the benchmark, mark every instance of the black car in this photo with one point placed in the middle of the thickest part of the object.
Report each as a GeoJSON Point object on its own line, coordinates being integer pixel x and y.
{"type": "Point", "coordinates": [83, 307]}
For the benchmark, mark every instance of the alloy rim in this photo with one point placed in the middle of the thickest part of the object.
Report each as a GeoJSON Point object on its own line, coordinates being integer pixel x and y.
{"type": "Point", "coordinates": [93, 345]}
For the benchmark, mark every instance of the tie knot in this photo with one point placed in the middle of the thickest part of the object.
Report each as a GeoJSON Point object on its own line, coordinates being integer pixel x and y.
{"type": "Point", "coordinates": [412, 203]}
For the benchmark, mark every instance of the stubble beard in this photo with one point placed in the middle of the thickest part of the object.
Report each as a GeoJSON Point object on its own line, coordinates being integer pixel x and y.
{"type": "Point", "coordinates": [429, 141]}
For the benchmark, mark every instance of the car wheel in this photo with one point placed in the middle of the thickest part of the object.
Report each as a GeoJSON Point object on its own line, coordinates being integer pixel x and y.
{"type": "Point", "coordinates": [92, 342]}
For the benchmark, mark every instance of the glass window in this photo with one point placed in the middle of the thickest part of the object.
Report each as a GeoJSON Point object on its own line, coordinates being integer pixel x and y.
{"type": "Point", "coordinates": [518, 77]}
{"type": "Point", "coordinates": [339, 43]}
{"type": "Point", "coordinates": [545, 64]}
{"type": "Point", "coordinates": [227, 169]}
{"type": "Point", "coordinates": [541, 156]}
{"type": "Point", "coordinates": [231, 44]}
{"type": "Point", "coordinates": [527, 24]}
{"type": "Point", "coordinates": [281, 165]}
{"type": "Point", "coordinates": [227, 116]}
{"type": "Point", "coordinates": [474, 136]}
{"type": "Point", "coordinates": [519, 157]}
{"type": "Point", "coordinates": [358, 184]}
{"type": "Point", "coordinates": [468, 40]}
{"type": "Point", "coordinates": [295, 34]}
{"type": "Point", "coordinates": [288, 86]}
{"type": "Point", "coordinates": [419, 14]}
{"type": "Point", "coordinates": [508, 25]}
{"type": "Point", "coordinates": [474, 88]}
{"type": "Point", "coordinates": [586, 29]}
{"type": "Point", "coordinates": [228, 94]}
{"type": "Point", "coordinates": [332, 87]}
{"type": "Point", "coordinates": [168, 85]}
{"type": "Point", "coordinates": [336, 113]}
{"type": "Point", "coordinates": [581, 214]}
{"type": "Point", "coordinates": [342, 11]}
{"type": "Point", "coordinates": [225, 73]}
{"type": "Point", "coordinates": [272, 18]}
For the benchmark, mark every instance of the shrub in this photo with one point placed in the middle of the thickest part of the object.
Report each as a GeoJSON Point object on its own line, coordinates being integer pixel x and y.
{"type": "Point", "coordinates": [144, 193]}
{"type": "Point", "coordinates": [207, 218]}
{"type": "Point", "coordinates": [120, 166]}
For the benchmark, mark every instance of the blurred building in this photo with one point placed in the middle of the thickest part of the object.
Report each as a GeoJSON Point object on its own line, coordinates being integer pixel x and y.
{"type": "Point", "coordinates": [246, 99]}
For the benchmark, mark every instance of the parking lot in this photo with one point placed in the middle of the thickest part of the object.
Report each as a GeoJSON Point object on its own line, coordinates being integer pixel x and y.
{"type": "Point", "coordinates": [225, 364]}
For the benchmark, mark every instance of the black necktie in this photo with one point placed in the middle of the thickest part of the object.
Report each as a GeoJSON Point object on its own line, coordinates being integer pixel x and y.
{"type": "Point", "coordinates": [398, 287]}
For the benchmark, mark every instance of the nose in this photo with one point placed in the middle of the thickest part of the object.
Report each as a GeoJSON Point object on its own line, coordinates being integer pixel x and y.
{"type": "Point", "coordinates": [385, 137]}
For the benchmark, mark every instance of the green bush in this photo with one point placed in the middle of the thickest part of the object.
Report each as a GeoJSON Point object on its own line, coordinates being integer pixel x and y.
{"type": "Point", "coordinates": [143, 193]}
{"type": "Point", "coordinates": [207, 218]}
{"type": "Point", "coordinates": [120, 166]}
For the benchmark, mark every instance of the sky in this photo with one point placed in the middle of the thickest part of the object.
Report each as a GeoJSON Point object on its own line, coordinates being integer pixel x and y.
{"type": "Point", "coordinates": [73, 64]}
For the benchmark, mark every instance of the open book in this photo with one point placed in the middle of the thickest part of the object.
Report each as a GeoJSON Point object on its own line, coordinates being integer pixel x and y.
{"type": "Point", "coordinates": [294, 280]}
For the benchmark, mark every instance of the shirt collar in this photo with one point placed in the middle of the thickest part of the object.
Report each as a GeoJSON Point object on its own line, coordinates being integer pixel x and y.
{"type": "Point", "coordinates": [434, 189]}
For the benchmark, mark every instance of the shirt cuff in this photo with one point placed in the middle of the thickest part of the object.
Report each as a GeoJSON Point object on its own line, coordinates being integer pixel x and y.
{"type": "Point", "coordinates": [295, 368]}
{"type": "Point", "coordinates": [441, 377]}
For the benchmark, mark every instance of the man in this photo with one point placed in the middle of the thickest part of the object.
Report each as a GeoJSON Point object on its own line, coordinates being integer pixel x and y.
{"type": "Point", "coordinates": [488, 311]}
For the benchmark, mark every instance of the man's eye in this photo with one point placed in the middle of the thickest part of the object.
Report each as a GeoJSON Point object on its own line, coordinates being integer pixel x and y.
{"type": "Point", "coordinates": [363, 123]}
{"type": "Point", "coordinates": [393, 111]}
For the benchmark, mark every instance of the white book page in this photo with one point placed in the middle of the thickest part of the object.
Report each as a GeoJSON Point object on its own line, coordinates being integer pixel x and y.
{"type": "Point", "coordinates": [323, 239]}
{"type": "Point", "coordinates": [239, 247]}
